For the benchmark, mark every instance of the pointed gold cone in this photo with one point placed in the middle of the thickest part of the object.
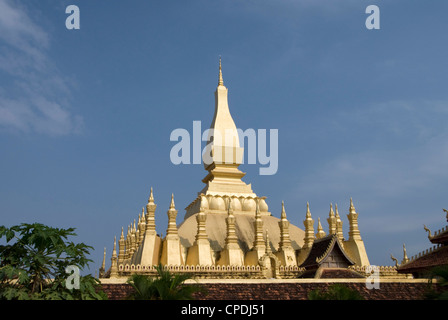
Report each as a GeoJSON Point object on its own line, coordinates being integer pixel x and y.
{"type": "Point", "coordinates": [283, 214]}
{"type": "Point", "coordinates": [220, 80]}
{"type": "Point", "coordinates": [151, 197]}
{"type": "Point", "coordinates": [308, 212]}
{"type": "Point", "coordinates": [172, 206]}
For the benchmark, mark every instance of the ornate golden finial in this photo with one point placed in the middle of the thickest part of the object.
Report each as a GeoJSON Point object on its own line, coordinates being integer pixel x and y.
{"type": "Point", "coordinates": [446, 214]}
{"type": "Point", "coordinates": [172, 202]}
{"type": "Point", "coordinates": [394, 259]}
{"type": "Point", "coordinates": [308, 213]}
{"type": "Point", "coordinates": [320, 231]}
{"type": "Point", "coordinates": [352, 207]}
{"type": "Point", "coordinates": [309, 228]}
{"type": "Point", "coordinates": [353, 223]}
{"type": "Point", "coordinates": [229, 206]}
{"type": "Point", "coordinates": [220, 80]}
{"type": "Point", "coordinates": [405, 255]}
{"type": "Point", "coordinates": [429, 231]}
{"type": "Point", "coordinates": [257, 207]}
{"type": "Point", "coordinates": [268, 245]}
{"type": "Point", "coordinates": [103, 266]}
{"type": "Point", "coordinates": [331, 214]}
{"type": "Point", "coordinates": [151, 197]}
{"type": "Point", "coordinates": [283, 214]}
{"type": "Point", "coordinates": [114, 265]}
{"type": "Point", "coordinates": [332, 223]}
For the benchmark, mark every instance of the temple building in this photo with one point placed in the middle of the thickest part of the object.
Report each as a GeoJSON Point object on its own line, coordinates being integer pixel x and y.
{"type": "Point", "coordinates": [228, 231]}
{"type": "Point", "coordinates": [421, 264]}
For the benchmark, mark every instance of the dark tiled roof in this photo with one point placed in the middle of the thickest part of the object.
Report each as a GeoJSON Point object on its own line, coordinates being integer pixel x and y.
{"type": "Point", "coordinates": [440, 237]}
{"type": "Point", "coordinates": [323, 247]}
{"type": "Point", "coordinates": [426, 262]}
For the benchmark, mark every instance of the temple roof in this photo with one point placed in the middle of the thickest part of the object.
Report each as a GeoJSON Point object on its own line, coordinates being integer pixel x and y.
{"type": "Point", "coordinates": [441, 237]}
{"type": "Point", "coordinates": [426, 262]}
{"type": "Point", "coordinates": [321, 249]}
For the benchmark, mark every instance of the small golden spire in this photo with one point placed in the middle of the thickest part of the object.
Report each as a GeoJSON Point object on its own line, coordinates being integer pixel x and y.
{"type": "Point", "coordinates": [308, 213]}
{"type": "Point", "coordinates": [331, 214]}
{"type": "Point", "coordinates": [229, 206]}
{"type": "Point", "coordinates": [267, 243]}
{"type": "Point", "coordinates": [352, 207]}
{"type": "Point", "coordinates": [220, 80]}
{"type": "Point", "coordinates": [283, 214]}
{"type": "Point", "coordinates": [320, 231]}
{"type": "Point", "coordinates": [405, 255]}
{"type": "Point", "coordinates": [114, 250]}
{"type": "Point", "coordinates": [103, 266]}
{"type": "Point", "coordinates": [172, 202]}
{"type": "Point", "coordinates": [151, 197]}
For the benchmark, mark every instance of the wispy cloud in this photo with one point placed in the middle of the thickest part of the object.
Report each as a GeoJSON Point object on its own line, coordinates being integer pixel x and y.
{"type": "Point", "coordinates": [34, 95]}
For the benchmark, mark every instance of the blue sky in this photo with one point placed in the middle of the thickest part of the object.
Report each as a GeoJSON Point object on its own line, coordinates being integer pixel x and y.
{"type": "Point", "coordinates": [86, 115]}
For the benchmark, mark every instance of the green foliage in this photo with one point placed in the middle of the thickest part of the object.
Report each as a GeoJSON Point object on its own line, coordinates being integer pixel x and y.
{"type": "Point", "coordinates": [335, 292]}
{"type": "Point", "coordinates": [440, 273]}
{"type": "Point", "coordinates": [33, 263]}
{"type": "Point", "coordinates": [165, 286]}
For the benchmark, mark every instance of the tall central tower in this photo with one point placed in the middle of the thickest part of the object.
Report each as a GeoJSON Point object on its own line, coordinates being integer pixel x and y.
{"type": "Point", "coordinates": [222, 157]}
{"type": "Point", "coordinates": [223, 151]}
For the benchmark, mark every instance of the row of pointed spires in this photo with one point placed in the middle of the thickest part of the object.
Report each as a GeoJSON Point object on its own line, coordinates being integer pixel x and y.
{"type": "Point", "coordinates": [334, 223]}
{"type": "Point", "coordinates": [129, 244]}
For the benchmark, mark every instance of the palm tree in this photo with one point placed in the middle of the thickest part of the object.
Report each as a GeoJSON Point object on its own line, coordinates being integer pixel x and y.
{"type": "Point", "coordinates": [165, 286]}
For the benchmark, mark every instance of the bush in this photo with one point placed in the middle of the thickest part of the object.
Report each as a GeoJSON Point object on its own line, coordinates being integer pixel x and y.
{"type": "Point", "coordinates": [335, 292]}
{"type": "Point", "coordinates": [165, 286]}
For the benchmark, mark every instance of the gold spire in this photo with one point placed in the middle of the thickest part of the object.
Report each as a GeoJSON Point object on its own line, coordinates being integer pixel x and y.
{"type": "Point", "coordinates": [309, 228]}
{"type": "Point", "coordinates": [114, 250]}
{"type": "Point", "coordinates": [114, 265]}
{"type": "Point", "coordinates": [121, 247]}
{"type": "Point", "coordinates": [172, 214]}
{"type": "Point", "coordinates": [231, 237]}
{"type": "Point", "coordinates": [150, 225]}
{"type": "Point", "coordinates": [151, 197]}
{"type": "Point", "coordinates": [172, 202]}
{"type": "Point", "coordinates": [283, 213]}
{"type": "Point", "coordinates": [258, 227]}
{"type": "Point", "coordinates": [268, 245]}
{"type": "Point", "coordinates": [220, 80]}
{"type": "Point", "coordinates": [353, 221]}
{"type": "Point", "coordinates": [103, 266]}
{"type": "Point", "coordinates": [308, 213]}
{"type": "Point", "coordinates": [331, 220]}
{"type": "Point", "coordinates": [285, 240]}
{"type": "Point", "coordinates": [339, 230]}
{"type": "Point", "coordinates": [320, 231]}
{"type": "Point", "coordinates": [405, 256]}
